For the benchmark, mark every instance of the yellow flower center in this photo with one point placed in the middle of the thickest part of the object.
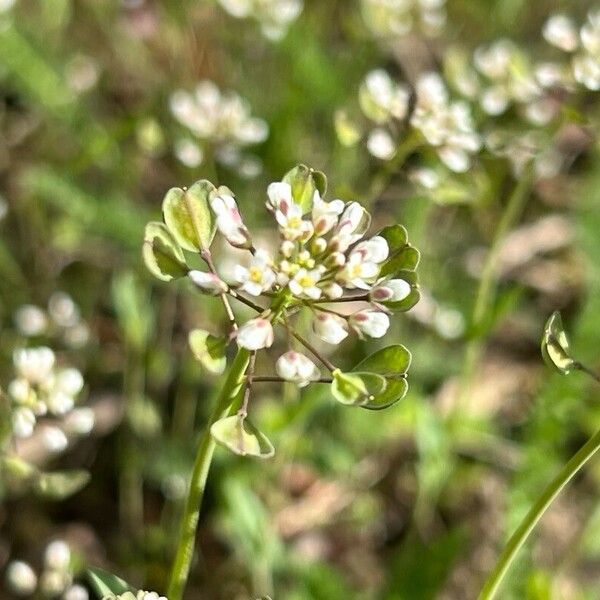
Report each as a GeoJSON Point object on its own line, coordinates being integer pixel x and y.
{"type": "Point", "coordinates": [256, 274]}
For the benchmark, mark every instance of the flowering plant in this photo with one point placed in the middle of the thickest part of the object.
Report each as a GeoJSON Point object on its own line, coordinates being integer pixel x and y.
{"type": "Point", "coordinates": [322, 261]}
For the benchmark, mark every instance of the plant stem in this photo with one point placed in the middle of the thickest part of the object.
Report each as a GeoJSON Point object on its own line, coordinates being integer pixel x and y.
{"type": "Point", "coordinates": [206, 447]}
{"type": "Point", "coordinates": [535, 513]}
{"type": "Point", "coordinates": [485, 294]}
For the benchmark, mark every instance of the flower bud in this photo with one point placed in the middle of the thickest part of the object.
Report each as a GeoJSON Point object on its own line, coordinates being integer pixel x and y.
{"type": "Point", "coordinates": [57, 555]}
{"type": "Point", "coordinates": [54, 439]}
{"type": "Point", "coordinates": [393, 290]}
{"type": "Point", "coordinates": [255, 334]}
{"type": "Point", "coordinates": [318, 245]}
{"type": "Point", "coordinates": [80, 421]}
{"type": "Point", "coordinates": [23, 422]}
{"type": "Point", "coordinates": [330, 328]}
{"type": "Point", "coordinates": [295, 367]}
{"type": "Point", "coordinates": [76, 592]}
{"type": "Point", "coordinates": [209, 283]}
{"type": "Point", "coordinates": [21, 578]}
{"type": "Point", "coordinates": [335, 260]}
{"type": "Point", "coordinates": [333, 290]}
{"type": "Point", "coordinates": [287, 248]}
{"type": "Point", "coordinates": [372, 323]}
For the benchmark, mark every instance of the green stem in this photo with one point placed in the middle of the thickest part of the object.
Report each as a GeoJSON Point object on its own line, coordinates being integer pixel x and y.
{"type": "Point", "coordinates": [534, 515]}
{"type": "Point", "coordinates": [485, 294]}
{"type": "Point", "coordinates": [206, 447]}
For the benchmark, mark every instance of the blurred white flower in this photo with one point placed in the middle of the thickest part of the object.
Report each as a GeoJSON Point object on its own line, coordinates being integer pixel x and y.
{"type": "Point", "coordinates": [209, 283]}
{"type": "Point", "coordinates": [380, 144]}
{"type": "Point", "coordinates": [274, 16]}
{"type": "Point", "coordinates": [31, 320]}
{"type": "Point", "coordinates": [560, 31]}
{"type": "Point", "coordinates": [57, 555]}
{"type": "Point", "coordinates": [188, 152]}
{"type": "Point", "coordinates": [21, 578]}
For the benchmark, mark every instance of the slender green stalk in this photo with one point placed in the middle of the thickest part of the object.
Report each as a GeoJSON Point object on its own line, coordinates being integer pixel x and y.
{"type": "Point", "coordinates": [535, 514]}
{"type": "Point", "coordinates": [485, 294]}
{"type": "Point", "coordinates": [206, 447]}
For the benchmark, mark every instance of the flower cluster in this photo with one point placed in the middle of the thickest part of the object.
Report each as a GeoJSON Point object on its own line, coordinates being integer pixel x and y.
{"type": "Point", "coordinates": [141, 595]}
{"type": "Point", "coordinates": [323, 262]}
{"type": "Point", "coordinates": [61, 319]}
{"type": "Point", "coordinates": [435, 122]}
{"type": "Point", "coordinates": [274, 16]}
{"type": "Point", "coordinates": [222, 123]}
{"type": "Point", "coordinates": [583, 46]}
{"type": "Point", "coordinates": [40, 389]}
{"type": "Point", "coordinates": [55, 580]}
{"type": "Point", "coordinates": [392, 18]}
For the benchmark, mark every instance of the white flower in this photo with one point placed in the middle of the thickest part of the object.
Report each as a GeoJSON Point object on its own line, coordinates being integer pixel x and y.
{"type": "Point", "coordinates": [362, 266]}
{"type": "Point", "coordinates": [590, 33]}
{"type": "Point", "coordinates": [380, 144]}
{"type": "Point", "coordinates": [279, 192]}
{"type": "Point", "coordinates": [23, 422]}
{"type": "Point", "coordinates": [304, 284]}
{"type": "Point", "coordinates": [291, 223]}
{"type": "Point", "coordinates": [560, 31]}
{"type": "Point", "coordinates": [31, 320]}
{"type": "Point", "coordinates": [188, 152]}
{"type": "Point", "coordinates": [57, 555]}
{"type": "Point", "coordinates": [76, 592]}
{"type": "Point", "coordinates": [53, 583]}
{"type": "Point", "coordinates": [34, 364]}
{"type": "Point", "coordinates": [69, 381]}
{"type": "Point", "coordinates": [325, 214]}
{"type": "Point", "coordinates": [353, 224]}
{"type": "Point", "coordinates": [393, 290]}
{"type": "Point", "coordinates": [59, 403]}
{"type": "Point", "coordinates": [229, 221]}
{"type": "Point", "coordinates": [80, 421]}
{"type": "Point", "coordinates": [141, 595]}
{"type": "Point", "coordinates": [63, 310]}
{"type": "Point", "coordinates": [370, 322]}
{"type": "Point", "coordinates": [330, 328]}
{"type": "Point", "coordinates": [259, 277]}
{"type": "Point", "coordinates": [21, 578]}
{"type": "Point", "coordinates": [19, 390]}
{"type": "Point", "coordinates": [255, 334]}
{"type": "Point", "coordinates": [209, 283]}
{"type": "Point", "coordinates": [586, 70]}
{"type": "Point", "coordinates": [295, 367]}
{"type": "Point", "coordinates": [54, 439]}
{"type": "Point", "coordinates": [382, 99]}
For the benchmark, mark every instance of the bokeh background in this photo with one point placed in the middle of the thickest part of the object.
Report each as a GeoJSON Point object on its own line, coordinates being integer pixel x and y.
{"type": "Point", "coordinates": [413, 502]}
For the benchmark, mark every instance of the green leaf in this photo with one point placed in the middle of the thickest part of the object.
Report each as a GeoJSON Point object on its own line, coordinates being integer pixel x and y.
{"type": "Point", "coordinates": [188, 216]}
{"type": "Point", "coordinates": [209, 350]}
{"type": "Point", "coordinates": [241, 437]}
{"type": "Point", "coordinates": [555, 345]}
{"type": "Point", "coordinates": [162, 254]}
{"type": "Point", "coordinates": [402, 255]}
{"type": "Point", "coordinates": [304, 181]}
{"type": "Point", "coordinates": [392, 363]}
{"type": "Point", "coordinates": [107, 584]}
{"type": "Point", "coordinates": [358, 388]}
{"type": "Point", "coordinates": [413, 297]}
{"type": "Point", "coordinates": [59, 485]}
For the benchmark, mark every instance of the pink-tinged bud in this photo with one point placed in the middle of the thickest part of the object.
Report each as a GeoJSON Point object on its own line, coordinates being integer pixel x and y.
{"type": "Point", "coordinates": [229, 221]}
{"type": "Point", "coordinates": [393, 290]}
{"type": "Point", "coordinates": [209, 283]}
{"type": "Point", "coordinates": [297, 368]}
{"type": "Point", "coordinates": [255, 334]}
{"type": "Point", "coordinates": [330, 328]}
{"type": "Point", "coordinates": [280, 196]}
{"type": "Point", "coordinates": [372, 323]}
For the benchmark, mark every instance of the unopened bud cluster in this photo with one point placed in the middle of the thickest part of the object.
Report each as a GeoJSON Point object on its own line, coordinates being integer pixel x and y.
{"type": "Point", "coordinates": [56, 579]}
{"type": "Point", "coordinates": [41, 390]}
